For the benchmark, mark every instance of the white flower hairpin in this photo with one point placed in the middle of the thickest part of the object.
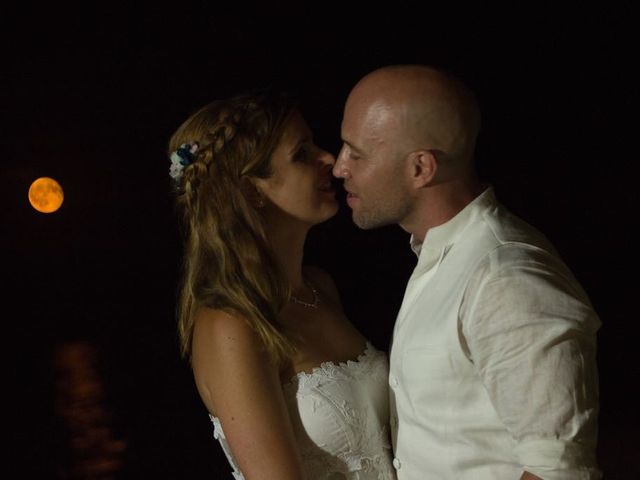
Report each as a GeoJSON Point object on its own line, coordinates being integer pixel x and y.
{"type": "Point", "coordinates": [181, 158]}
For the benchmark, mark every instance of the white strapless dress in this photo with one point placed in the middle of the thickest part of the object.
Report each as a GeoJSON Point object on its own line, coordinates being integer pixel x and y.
{"type": "Point", "coordinates": [339, 414]}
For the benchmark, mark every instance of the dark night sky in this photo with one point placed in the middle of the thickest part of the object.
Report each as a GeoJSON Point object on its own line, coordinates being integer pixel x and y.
{"type": "Point", "coordinates": [91, 96]}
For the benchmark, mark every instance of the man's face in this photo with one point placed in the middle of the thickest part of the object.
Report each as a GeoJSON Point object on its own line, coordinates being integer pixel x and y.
{"type": "Point", "coordinates": [372, 165]}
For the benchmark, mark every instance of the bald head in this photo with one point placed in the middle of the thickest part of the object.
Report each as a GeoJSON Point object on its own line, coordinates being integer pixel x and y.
{"type": "Point", "coordinates": [420, 108]}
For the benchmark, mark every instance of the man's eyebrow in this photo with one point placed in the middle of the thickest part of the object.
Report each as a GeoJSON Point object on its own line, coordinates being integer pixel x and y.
{"type": "Point", "coordinates": [353, 147]}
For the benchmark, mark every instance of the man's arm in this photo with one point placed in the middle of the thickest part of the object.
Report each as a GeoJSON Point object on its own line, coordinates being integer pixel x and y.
{"type": "Point", "coordinates": [530, 331]}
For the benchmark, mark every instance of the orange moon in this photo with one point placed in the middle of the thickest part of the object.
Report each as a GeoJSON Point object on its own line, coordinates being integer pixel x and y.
{"type": "Point", "coordinates": [46, 195]}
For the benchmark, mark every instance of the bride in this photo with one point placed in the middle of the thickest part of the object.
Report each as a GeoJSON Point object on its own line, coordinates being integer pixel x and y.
{"type": "Point", "coordinates": [294, 391]}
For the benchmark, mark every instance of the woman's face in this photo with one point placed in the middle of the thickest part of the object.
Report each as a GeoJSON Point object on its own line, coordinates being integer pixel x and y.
{"type": "Point", "coordinates": [301, 185]}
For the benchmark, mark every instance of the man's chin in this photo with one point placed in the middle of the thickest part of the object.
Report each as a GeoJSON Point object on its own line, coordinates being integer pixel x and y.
{"type": "Point", "coordinates": [363, 223]}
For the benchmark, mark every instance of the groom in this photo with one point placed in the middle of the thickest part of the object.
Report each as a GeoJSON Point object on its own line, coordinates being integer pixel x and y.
{"type": "Point", "coordinates": [492, 364]}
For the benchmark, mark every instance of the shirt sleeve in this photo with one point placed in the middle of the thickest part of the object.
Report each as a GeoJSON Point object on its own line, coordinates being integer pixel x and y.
{"type": "Point", "coordinates": [530, 331]}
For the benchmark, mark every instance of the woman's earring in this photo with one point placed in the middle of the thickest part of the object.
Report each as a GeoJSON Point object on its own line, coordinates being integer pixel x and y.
{"type": "Point", "coordinates": [259, 199]}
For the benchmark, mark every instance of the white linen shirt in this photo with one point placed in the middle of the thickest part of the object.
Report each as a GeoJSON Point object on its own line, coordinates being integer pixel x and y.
{"type": "Point", "coordinates": [492, 365]}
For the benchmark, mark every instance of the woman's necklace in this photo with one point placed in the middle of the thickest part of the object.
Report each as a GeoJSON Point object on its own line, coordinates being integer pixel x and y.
{"type": "Point", "coordinates": [316, 297]}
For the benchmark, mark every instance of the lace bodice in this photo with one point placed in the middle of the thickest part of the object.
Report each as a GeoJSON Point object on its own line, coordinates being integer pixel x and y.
{"type": "Point", "coordinates": [339, 414]}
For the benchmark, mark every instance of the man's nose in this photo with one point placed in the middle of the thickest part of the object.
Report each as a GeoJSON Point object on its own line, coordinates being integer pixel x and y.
{"type": "Point", "coordinates": [339, 170]}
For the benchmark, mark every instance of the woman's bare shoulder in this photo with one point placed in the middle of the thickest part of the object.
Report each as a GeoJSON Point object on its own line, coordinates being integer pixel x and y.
{"type": "Point", "coordinates": [222, 338]}
{"type": "Point", "coordinates": [221, 332]}
{"type": "Point", "coordinates": [220, 326]}
{"type": "Point", "coordinates": [226, 348]}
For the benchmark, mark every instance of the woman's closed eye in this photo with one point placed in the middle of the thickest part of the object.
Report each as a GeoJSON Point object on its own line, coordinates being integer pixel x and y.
{"type": "Point", "coordinates": [302, 154]}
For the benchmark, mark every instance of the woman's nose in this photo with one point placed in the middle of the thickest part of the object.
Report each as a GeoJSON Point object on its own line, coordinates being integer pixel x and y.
{"type": "Point", "coordinates": [327, 158]}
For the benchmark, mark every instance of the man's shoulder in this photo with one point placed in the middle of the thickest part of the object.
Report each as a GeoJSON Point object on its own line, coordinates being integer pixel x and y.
{"type": "Point", "coordinates": [509, 230]}
{"type": "Point", "coordinates": [505, 242]}
{"type": "Point", "coordinates": [497, 239]}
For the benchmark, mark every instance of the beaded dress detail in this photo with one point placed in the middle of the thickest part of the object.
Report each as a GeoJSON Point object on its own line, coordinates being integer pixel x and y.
{"type": "Point", "coordinates": [339, 414]}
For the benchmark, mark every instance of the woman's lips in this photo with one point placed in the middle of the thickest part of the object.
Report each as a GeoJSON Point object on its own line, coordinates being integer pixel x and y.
{"type": "Point", "coordinates": [327, 187]}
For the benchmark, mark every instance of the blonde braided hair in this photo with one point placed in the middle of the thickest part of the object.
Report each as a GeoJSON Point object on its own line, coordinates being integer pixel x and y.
{"type": "Point", "coordinates": [228, 263]}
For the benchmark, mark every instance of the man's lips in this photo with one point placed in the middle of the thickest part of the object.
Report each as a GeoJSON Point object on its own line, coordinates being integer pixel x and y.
{"type": "Point", "coordinates": [352, 198]}
{"type": "Point", "coordinates": [350, 192]}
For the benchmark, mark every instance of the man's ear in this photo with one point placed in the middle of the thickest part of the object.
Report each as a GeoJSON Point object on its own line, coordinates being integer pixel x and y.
{"type": "Point", "coordinates": [424, 167]}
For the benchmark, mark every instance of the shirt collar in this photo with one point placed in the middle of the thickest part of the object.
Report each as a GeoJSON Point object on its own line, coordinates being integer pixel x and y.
{"type": "Point", "coordinates": [446, 234]}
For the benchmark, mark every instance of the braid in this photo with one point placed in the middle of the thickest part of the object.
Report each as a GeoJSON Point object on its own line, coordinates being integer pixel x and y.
{"type": "Point", "coordinates": [212, 144]}
{"type": "Point", "coordinates": [228, 263]}
{"type": "Point", "coordinates": [223, 133]}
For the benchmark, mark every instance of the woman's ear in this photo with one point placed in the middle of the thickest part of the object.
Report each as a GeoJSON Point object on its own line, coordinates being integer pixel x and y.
{"type": "Point", "coordinates": [252, 192]}
{"type": "Point", "coordinates": [424, 166]}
